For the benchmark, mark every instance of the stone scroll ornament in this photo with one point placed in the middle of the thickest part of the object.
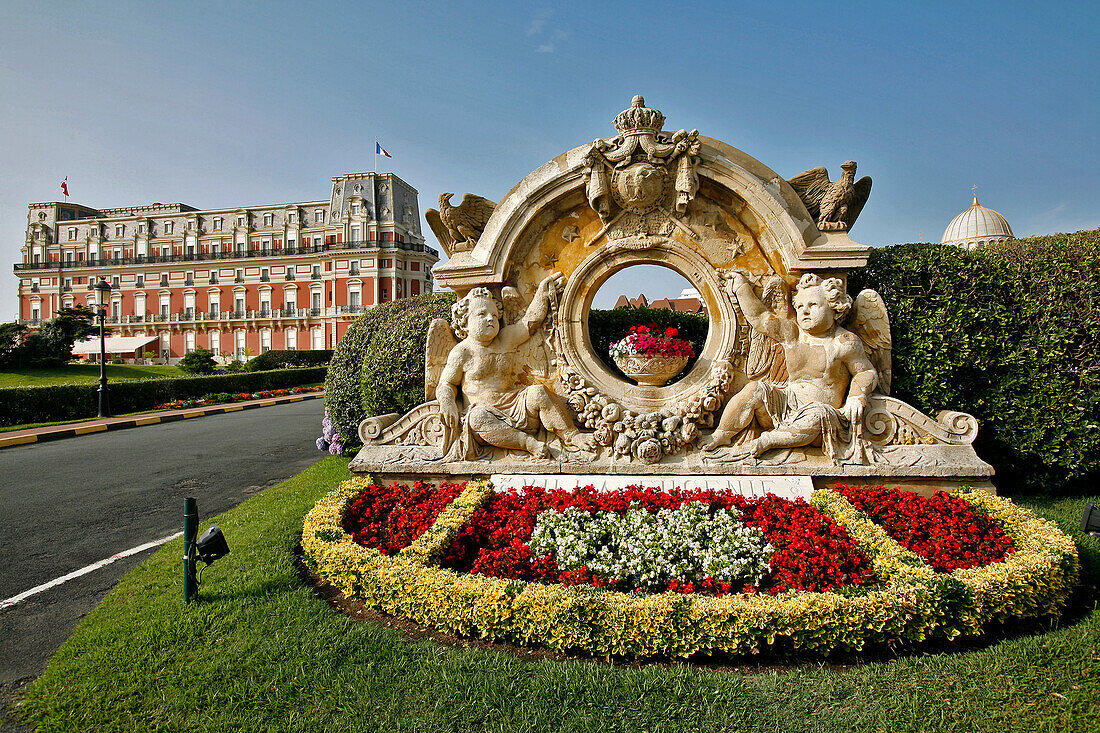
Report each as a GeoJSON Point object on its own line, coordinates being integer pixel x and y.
{"type": "Point", "coordinates": [642, 181]}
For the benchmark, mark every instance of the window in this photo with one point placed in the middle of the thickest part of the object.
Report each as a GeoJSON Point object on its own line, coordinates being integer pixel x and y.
{"type": "Point", "coordinates": [164, 279]}
{"type": "Point", "coordinates": [215, 305]}
{"type": "Point", "coordinates": [217, 223]}
{"type": "Point", "coordinates": [216, 343]}
{"type": "Point", "coordinates": [265, 304]}
{"type": "Point", "coordinates": [190, 278]}
{"type": "Point", "coordinates": [269, 220]}
{"type": "Point", "coordinates": [290, 242]}
{"type": "Point", "coordinates": [169, 227]}
{"type": "Point", "coordinates": [316, 241]}
{"type": "Point", "coordinates": [165, 305]}
{"type": "Point", "coordinates": [385, 293]}
{"type": "Point", "coordinates": [72, 234]}
{"type": "Point", "coordinates": [316, 272]}
{"type": "Point", "coordinates": [69, 256]}
{"type": "Point", "coordinates": [238, 343]}
{"type": "Point", "coordinates": [265, 245]}
{"type": "Point", "coordinates": [386, 263]}
{"type": "Point", "coordinates": [120, 229]}
{"type": "Point", "coordinates": [238, 306]}
{"type": "Point", "coordinates": [140, 282]}
{"type": "Point", "coordinates": [213, 277]}
{"type": "Point", "coordinates": [291, 218]}
{"type": "Point", "coordinates": [265, 274]}
{"type": "Point", "coordinates": [240, 276]}
{"type": "Point", "coordinates": [318, 339]}
{"type": "Point", "coordinates": [355, 234]}
{"type": "Point", "coordinates": [240, 221]}
{"type": "Point", "coordinates": [115, 282]}
{"type": "Point", "coordinates": [316, 302]}
{"type": "Point", "coordinates": [116, 309]}
{"type": "Point", "coordinates": [141, 228]}
{"type": "Point", "coordinates": [319, 216]}
{"type": "Point", "coordinates": [189, 342]}
{"type": "Point", "coordinates": [354, 300]}
{"type": "Point", "coordinates": [265, 341]}
{"type": "Point", "coordinates": [291, 339]}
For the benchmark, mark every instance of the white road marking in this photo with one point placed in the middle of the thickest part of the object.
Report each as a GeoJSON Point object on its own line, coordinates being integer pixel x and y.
{"type": "Point", "coordinates": [7, 602]}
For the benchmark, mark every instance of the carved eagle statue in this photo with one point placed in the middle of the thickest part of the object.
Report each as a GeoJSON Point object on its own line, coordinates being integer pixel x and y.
{"type": "Point", "coordinates": [834, 205]}
{"type": "Point", "coordinates": [458, 227]}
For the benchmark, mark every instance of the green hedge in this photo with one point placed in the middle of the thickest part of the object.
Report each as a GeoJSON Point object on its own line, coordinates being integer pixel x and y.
{"type": "Point", "coordinates": [279, 359]}
{"type": "Point", "coordinates": [1011, 334]}
{"type": "Point", "coordinates": [56, 403]}
{"type": "Point", "coordinates": [392, 335]}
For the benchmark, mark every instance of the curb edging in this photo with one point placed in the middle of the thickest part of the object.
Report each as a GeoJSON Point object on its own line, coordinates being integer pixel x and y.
{"type": "Point", "coordinates": [39, 435]}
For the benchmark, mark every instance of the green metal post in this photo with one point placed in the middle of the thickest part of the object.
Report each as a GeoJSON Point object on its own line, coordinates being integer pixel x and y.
{"type": "Point", "coordinates": [190, 534]}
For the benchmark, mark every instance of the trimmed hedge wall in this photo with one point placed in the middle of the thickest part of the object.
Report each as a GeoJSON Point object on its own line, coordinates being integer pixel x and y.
{"type": "Point", "coordinates": [392, 379]}
{"type": "Point", "coordinates": [1011, 334]}
{"type": "Point", "coordinates": [281, 359]}
{"type": "Point", "coordinates": [55, 403]}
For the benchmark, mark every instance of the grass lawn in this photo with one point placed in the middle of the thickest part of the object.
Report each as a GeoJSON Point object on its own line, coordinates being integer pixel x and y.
{"type": "Point", "coordinates": [84, 374]}
{"type": "Point", "coordinates": [263, 652]}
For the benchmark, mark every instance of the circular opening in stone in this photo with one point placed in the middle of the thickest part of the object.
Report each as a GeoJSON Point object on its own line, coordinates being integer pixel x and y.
{"type": "Point", "coordinates": [656, 298]}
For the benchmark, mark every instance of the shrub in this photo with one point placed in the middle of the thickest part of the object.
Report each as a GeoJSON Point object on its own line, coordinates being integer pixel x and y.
{"type": "Point", "coordinates": [21, 405]}
{"type": "Point", "coordinates": [397, 366]}
{"type": "Point", "coordinates": [285, 359]}
{"type": "Point", "coordinates": [199, 361]}
{"type": "Point", "coordinates": [1011, 334]}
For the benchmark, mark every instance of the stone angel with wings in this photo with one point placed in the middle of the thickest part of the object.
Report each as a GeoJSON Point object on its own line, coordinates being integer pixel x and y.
{"type": "Point", "coordinates": [485, 374]}
{"type": "Point", "coordinates": [810, 377]}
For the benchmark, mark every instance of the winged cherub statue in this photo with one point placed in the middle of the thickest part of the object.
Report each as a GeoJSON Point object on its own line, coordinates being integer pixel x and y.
{"type": "Point", "coordinates": [830, 375]}
{"type": "Point", "coordinates": [834, 205]}
{"type": "Point", "coordinates": [459, 227]}
{"type": "Point", "coordinates": [485, 368]}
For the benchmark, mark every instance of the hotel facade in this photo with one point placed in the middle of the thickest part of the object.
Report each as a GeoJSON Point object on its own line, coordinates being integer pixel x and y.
{"type": "Point", "coordinates": [238, 281]}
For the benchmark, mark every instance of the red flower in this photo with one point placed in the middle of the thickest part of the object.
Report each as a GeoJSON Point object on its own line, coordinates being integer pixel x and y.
{"type": "Point", "coordinates": [671, 332]}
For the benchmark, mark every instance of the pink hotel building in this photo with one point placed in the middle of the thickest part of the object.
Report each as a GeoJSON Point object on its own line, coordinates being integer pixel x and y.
{"type": "Point", "coordinates": [239, 281]}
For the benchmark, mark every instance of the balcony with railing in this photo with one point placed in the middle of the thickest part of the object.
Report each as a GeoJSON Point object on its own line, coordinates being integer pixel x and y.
{"type": "Point", "coordinates": [359, 244]}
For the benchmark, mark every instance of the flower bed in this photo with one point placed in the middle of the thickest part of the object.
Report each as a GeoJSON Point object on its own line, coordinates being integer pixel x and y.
{"type": "Point", "coordinates": [910, 601]}
{"type": "Point", "coordinates": [948, 532]}
{"type": "Point", "coordinates": [810, 552]}
{"type": "Point", "coordinates": [219, 398]}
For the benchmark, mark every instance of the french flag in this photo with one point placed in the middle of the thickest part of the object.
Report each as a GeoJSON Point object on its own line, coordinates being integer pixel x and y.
{"type": "Point", "coordinates": [379, 150]}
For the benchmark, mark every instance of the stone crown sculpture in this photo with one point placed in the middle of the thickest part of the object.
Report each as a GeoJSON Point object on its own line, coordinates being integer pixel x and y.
{"type": "Point", "coordinates": [783, 384]}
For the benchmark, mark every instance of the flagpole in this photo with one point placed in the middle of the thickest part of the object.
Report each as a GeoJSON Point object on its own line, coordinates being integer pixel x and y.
{"type": "Point", "coordinates": [376, 156]}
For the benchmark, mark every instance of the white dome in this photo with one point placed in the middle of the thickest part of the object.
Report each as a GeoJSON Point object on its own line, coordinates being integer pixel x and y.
{"type": "Point", "coordinates": [977, 227]}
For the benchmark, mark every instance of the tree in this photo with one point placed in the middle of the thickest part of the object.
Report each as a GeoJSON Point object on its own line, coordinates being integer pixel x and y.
{"type": "Point", "coordinates": [199, 361]}
{"type": "Point", "coordinates": [52, 344]}
{"type": "Point", "coordinates": [12, 336]}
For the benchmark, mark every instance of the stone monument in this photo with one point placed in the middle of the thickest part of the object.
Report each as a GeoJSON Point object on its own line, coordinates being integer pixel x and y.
{"type": "Point", "coordinates": [792, 382]}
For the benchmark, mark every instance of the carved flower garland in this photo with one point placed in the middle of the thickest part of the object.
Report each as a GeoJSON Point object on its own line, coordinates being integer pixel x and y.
{"type": "Point", "coordinates": [647, 437]}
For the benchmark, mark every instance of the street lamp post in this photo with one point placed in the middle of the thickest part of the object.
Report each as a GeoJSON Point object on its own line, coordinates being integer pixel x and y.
{"type": "Point", "coordinates": [103, 290]}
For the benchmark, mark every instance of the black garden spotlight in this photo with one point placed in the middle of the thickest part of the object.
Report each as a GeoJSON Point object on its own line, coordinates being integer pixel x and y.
{"type": "Point", "coordinates": [208, 548]}
{"type": "Point", "coordinates": [1090, 520]}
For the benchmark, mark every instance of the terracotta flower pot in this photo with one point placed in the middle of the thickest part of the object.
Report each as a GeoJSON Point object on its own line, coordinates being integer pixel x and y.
{"type": "Point", "coordinates": [651, 371]}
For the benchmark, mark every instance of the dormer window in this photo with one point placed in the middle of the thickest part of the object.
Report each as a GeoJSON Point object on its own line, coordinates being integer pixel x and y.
{"type": "Point", "coordinates": [319, 216]}
{"type": "Point", "coordinates": [168, 226]}
{"type": "Point", "coordinates": [217, 223]}
{"type": "Point", "coordinates": [120, 229]}
{"type": "Point", "coordinates": [269, 220]}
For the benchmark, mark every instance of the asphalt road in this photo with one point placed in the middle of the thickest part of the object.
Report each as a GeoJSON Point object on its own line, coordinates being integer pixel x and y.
{"type": "Point", "coordinates": [69, 503]}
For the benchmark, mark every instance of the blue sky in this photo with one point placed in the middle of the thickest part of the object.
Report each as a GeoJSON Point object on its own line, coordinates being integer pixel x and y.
{"type": "Point", "coordinates": [223, 104]}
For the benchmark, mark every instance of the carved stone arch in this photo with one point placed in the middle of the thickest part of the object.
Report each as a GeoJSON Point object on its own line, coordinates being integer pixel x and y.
{"type": "Point", "coordinates": [782, 226]}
